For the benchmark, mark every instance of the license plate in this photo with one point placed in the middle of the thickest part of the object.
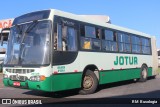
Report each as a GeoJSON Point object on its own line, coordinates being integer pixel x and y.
{"type": "Point", "coordinates": [16, 84]}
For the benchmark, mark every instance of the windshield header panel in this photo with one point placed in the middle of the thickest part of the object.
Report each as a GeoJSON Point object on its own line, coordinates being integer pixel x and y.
{"type": "Point", "coordinates": [32, 16]}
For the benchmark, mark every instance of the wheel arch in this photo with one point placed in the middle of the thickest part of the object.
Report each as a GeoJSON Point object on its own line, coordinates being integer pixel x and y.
{"type": "Point", "coordinates": [144, 64]}
{"type": "Point", "coordinates": [93, 68]}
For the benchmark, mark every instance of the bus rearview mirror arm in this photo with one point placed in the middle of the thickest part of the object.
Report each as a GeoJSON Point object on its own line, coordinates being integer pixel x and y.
{"type": "Point", "coordinates": [2, 36]}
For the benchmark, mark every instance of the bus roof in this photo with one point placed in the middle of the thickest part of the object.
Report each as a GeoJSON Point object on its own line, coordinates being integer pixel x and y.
{"type": "Point", "coordinates": [93, 21]}
{"type": "Point", "coordinates": [99, 23]}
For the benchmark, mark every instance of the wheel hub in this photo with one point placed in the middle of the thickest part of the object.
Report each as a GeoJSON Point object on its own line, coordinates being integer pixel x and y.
{"type": "Point", "coordinates": [144, 73]}
{"type": "Point", "coordinates": [88, 82]}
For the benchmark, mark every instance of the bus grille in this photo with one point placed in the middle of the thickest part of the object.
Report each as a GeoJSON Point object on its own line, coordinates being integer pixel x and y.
{"type": "Point", "coordinates": [18, 78]}
{"type": "Point", "coordinates": [20, 71]}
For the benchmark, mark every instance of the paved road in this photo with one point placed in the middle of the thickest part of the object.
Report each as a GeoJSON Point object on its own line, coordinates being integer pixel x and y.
{"type": "Point", "coordinates": [127, 89]}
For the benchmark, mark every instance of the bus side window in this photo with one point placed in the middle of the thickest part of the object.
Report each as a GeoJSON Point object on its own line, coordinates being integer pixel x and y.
{"type": "Point", "coordinates": [59, 37]}
{"type": "Point", "coordinates": [90, 37]}
{"type": "Point", "coordinates": [124, 42]}
{"type": "Point", "coordinates": [109, 42]}
{"type": "Point", "coordinates": [114, 43]}
{"type": "Point", "coordinates": [65, 38]}
{"type": "Point", "coordinates": [145, 46]}
{"type": "Point", "coordinates": [136, 44]}
{"type": "Point", "coordinates": [55, 37]}
{"type": "Point", "coordinates": [71, 39]}
{"type": "Point", "coordinates": [85, 42]}
{"type": "Point", "coordinates": [96, 43]}
{"type": "Point", "coordinates": [98, 33]}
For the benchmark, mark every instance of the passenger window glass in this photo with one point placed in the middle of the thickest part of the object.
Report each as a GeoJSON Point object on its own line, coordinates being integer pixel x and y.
{"type": "Point", "coordinates": [82, 30]}
{"type": "Point", "coordinates": [121, 37]}
{"type": "Point", "coordinates": [136, 49]}
{"type": "Point", "coordinates": [109, 44]}
{"type": "Point", "coordinates": [127, 47]}
{"type": "Point", "coordinates": [85, 43]}
{"type": "Point", "coordinates": [98, 33]}
{"type": "Point", "coordinates": [90, 38]}
{"type": "Point", "coordinates": [90, 32]}
{"type": "Point", "coordinates": [121, 47]}
{"type": "Point", "coordinates": [71, 39]}
{"type": "Point", "coordinates": [135, 40]}
{"type": "Point", "coordinates": [136, 44]}
{"type": "Point", "coordinates": [90, 43]}
{"type": "Point", "coordinates": [65, 39]}
{"type": "Point", "coordinates": [127, 39]}
{"type": "Point", "coordinates": [109, 35]}
{"type": "Point", "coordinates": [145, 46]}
{"type": "Point", "coordinates": [145, 42]}
{"type": "Point", "coordinates": [59, 38]}
{"type": "Point", "coordinates": [124, 42]}
{"type": "Point", "coordinates": [96, 44]}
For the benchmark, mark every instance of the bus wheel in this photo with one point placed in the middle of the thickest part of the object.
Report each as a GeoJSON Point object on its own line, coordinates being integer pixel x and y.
{"type": "Point", "coordinates": [89, 83]}
{"type": "Point", "coordinates": [144, 74]}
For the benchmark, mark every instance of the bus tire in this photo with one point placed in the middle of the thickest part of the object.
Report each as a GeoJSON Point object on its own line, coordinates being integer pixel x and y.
{"type": "Point", "coordinates": [144, 74]}
{"type": "Point", "coordinates": [89, 83]}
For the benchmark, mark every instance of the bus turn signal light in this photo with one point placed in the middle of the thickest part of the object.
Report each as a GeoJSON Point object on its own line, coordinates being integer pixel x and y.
{"type": "Point", "coordinates": [42, 78]}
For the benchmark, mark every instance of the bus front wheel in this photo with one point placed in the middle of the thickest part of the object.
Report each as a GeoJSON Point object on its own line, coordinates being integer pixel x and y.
{"type": "Point", "coordinates": [144, 74]}
{"type": "Point", "coordinates": [89, 83]}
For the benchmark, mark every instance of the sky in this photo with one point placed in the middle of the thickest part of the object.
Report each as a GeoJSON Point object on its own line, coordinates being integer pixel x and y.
{"type": "Point", "coordinates": [140, 15]}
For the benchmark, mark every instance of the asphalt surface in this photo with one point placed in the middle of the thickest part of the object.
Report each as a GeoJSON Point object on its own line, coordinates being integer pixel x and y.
{"type": "Point", "coordinates": [114, 91]}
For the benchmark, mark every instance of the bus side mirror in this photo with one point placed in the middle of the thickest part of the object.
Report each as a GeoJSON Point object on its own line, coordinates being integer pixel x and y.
{"type": "Point", "coordinates": [2, 37]}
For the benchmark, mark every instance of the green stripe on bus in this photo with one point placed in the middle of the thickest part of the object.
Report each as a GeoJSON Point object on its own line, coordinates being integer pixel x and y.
{"type": "Point", "coordinates": [66, 81]}
{"type": "Point", "coordinates": [109, 76]}
{"type": "Point", "coordinates": [58, 82]}
{"type": "Point", "coordinates": [45, 85]}
{"type": "Point", "coordinates": [150, 71]}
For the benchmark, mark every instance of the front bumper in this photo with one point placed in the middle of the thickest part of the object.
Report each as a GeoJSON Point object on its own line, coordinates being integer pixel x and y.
{"type": "Point", "coordinates": [33, 85]}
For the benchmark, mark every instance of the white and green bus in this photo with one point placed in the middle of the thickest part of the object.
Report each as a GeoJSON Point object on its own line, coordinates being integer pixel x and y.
{"type": "Point", "coordinates": [52, 50]}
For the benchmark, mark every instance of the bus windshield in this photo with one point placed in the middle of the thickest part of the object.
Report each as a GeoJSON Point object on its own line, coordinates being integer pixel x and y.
{"type": "Point", "coordinates": [28, 44]}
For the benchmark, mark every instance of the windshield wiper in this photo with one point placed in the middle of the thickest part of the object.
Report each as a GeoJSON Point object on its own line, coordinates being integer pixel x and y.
{"type": "Point", "coordinates": [33, 24]}
{"type": "Point", "coordinates": [30, 27]}
{"type": "Point", "coordinates": [19, 29]}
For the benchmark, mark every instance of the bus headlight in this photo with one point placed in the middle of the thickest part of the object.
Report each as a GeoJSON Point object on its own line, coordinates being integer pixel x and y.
{"type": "Point", "coordinates": [5, 76]}
{"type": "Point", "coordinates": [38, 78]}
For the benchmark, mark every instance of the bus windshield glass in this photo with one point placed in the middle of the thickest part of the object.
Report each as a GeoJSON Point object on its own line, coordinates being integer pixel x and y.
{"type": "Point", "coordinates": [28, 44]}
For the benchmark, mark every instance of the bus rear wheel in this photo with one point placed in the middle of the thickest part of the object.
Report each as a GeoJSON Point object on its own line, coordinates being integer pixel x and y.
{"type": "Point", "coordinates": [144, 74]}
{"type": "Point", "coordinates": [89, 83]}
